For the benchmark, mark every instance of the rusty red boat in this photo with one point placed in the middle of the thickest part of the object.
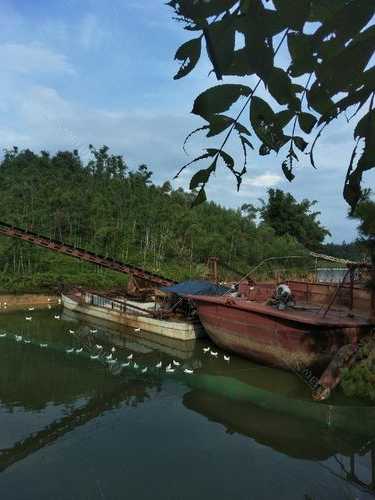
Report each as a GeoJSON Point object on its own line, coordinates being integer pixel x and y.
{"type": "Point", "coordinates": [308, 333]}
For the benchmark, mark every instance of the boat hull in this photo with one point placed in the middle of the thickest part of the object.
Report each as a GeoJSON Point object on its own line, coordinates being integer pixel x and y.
{"type": "Point", "coordinates": [179, 330]}
{"type": "Point", "coordinates": [274, 340]}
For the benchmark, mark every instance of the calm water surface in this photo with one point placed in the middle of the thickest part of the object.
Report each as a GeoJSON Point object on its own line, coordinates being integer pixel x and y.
{"type": "Point", "coordinates": [76, 428]}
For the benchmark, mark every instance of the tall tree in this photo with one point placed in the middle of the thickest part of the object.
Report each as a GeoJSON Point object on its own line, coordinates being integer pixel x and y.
{"type": "Point", "coordinates": [289, 217]}
{"type": "Point", "coordinates": [365, 214]}
{"type": "Point", "coordinates": [329, 43]}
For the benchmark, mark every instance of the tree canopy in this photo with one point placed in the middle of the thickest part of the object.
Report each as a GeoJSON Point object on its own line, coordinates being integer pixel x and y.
{"type": "Point", "coordinates": [286, 216]}
{"type": "Point", "coordinates": [365, 214]}
{"type": "Point", "coordinates": [118, 211]}
{"type": "Point", "coordinates": [328, 46]}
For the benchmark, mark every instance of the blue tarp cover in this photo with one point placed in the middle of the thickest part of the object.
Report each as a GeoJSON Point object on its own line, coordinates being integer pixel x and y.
{"type": "Point", "coordinates": [196, 287]}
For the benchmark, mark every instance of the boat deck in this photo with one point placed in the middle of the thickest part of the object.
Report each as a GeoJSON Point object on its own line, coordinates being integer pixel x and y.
{"type": "Point", "coordinates": [133, 315]}
{"type": "Point", "coordinates": [302, 313]}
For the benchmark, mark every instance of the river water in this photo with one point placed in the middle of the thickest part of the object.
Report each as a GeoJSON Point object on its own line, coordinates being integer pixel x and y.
{"type": "Point", "coordinates": [72, 427]}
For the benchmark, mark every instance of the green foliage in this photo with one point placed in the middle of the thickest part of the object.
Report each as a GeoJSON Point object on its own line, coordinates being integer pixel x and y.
{"type": "Point", "coordinates": [359, 380]}
{"type": "Point", "coordinates": [349, 251]}
{"type": "Point", "coordinates": [330, 44]}
{"type": "Point", "coordinates": [218, 99]}
{"type": "Point", "coordinates": [286, 216]}
{"type": "Point", "coordinates": [365, 214]}
{"type": "Point", "coordinates": [188, 54]}
{"type": "Point", "coordinates": [107, 208]}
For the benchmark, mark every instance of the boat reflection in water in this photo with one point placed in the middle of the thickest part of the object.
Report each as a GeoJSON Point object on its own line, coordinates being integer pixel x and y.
{"type": "Point", "coordinates": [287, 434]}
{"type": "Point", "coordinates": [267, 406]}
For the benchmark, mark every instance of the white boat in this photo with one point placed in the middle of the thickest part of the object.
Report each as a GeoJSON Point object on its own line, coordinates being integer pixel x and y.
{"type": "Point", "coordinates": [132, 314]}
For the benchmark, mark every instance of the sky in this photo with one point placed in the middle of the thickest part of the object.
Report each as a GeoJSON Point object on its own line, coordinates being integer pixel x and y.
{"type": "Point", "coordinates": [80, 72]}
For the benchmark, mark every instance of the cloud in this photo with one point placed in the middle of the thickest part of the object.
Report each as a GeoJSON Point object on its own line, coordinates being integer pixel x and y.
{"type": "Point", "coordinates": [34, 58]}
{"type": "Point", "coordinates": [57, 122]}
{"type": "Point", "coordinates": [44, 118]}
{"type": "Point", "coordinates": [130, 102]}
{"type": "Point", "coordinates": [266, 180]}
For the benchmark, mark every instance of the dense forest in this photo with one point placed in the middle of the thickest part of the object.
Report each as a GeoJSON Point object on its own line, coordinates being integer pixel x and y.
{"type": "Point", "coordinates": [106, 207]}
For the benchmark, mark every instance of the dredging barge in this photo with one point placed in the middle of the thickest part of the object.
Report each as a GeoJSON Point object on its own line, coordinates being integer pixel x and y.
{"type": "Point", "coordinates": [315, 321]}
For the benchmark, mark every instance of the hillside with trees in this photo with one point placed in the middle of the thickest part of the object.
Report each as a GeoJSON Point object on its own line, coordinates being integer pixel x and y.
{"type": "Point", "coordinates": [106, 207]}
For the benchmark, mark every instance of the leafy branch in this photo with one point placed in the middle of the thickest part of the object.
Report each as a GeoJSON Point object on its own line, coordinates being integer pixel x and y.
{"type": "Point", "coordinates": [332, 43]}
{"type": "Point", "coordinates": [202, 176]}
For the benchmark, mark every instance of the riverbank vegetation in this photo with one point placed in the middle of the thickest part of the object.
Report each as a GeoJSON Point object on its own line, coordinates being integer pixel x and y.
{"type": "Point", "coordinates": [359, 380]}
{"type": "Point", "coordinates": [119, 212]}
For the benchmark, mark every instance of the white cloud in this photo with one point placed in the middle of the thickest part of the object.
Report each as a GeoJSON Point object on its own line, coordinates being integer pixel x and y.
{"type": "Point", "coordinates": [138, 112]}
{"type": "Point", "coordinates": [42, 118]}
{"type": "Point", "coordinates": [34, 58]}
{"type": "Point", "coordinates": [265, 180]}
{"type": "Point", "coordinates": [58, 123]}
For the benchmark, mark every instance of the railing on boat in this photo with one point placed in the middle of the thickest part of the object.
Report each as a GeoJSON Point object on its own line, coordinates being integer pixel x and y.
{"type": "Point", "coordinates": [347, 292]}
{"type": "Point", "coordinates": [121, 306]}
{"type": "Point", "coordinates": [100, 301]}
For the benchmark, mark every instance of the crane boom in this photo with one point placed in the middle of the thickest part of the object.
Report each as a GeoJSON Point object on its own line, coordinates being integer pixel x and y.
{"type": "Point", "coordinates": [81, 254]}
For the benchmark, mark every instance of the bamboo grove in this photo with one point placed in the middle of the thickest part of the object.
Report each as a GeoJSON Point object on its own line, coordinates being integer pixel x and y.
{"type": "Point", "coordinates": [106, 207]}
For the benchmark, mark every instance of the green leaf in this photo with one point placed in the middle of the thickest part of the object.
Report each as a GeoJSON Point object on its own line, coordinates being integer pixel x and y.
{"type": "Point", "coordinates": [287, 170]}
{"type": "Point", "coordinates": [355, 98]}
{"type": "Point", "coordinates": [218, 123]}
{"type": "Point", "coordinates": [294, 12]}
{"type": "Point", "coordinates": [365, 129]}
{"type": "Point", "coordinates": [200, 10]}
{"type": "Point", "coordinates": [259, 50]}
{"type": "Point", "coordinates": [280, 86]}
{"type": "Point", "coordinates": [300, 143]}
{"type": "Point", "coordinates": [228, 160]}
{"type": "Point", "coordinates": [301, 50]}
{"type": "Point", "coordinates": [363, 125]}
{"type": "Point", "coordinates": [338, 72]}
{"type": "Point", "coordinates": [284, 117]}
{"type": "Point", "coordinates": [189, 54]}
{"type": "Point", "coordinates": [352, 187]}
{"type": "Point", "coordinates": [218, 99]}
{"type": "Point", "coordinates": [265, 124]}
{"type": "Point", "coordinates": [202, 176]}
{"type": "Point", "coordinates": [201, 198]}
{"type": "Point", "coordinates": [241, 129]}
{"type": "Point", "coordinates": [297, 89]}
{"type": "Point", "coordinates": [199, 129]}
{"type": "Point", "coordinates": [324, 9]}
{"type": "Point", "coordinates": [273, 22]}
{"type": "Point", "coordinates": [307, 122]}
{"type": "Point", "coordinates": [264, 150]}
{"type": "Point", "coordinates": [240, 65]}
{"type": "Point", "coordinates": [209, 154]}
{"type": "Point", "coordinates": [319, 99]}
{"type": "Point", "coordinates": [221, 47]}
{"type": "Point", "coordinates": [347, 21]}
{"type": "Point", "coordinates": [246, 142]}
{"type": "Point", "coordinates": [260, 111]}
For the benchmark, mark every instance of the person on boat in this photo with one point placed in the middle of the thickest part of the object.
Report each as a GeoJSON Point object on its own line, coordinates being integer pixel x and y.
{"type": "Point", "coordinates": [283, 297]}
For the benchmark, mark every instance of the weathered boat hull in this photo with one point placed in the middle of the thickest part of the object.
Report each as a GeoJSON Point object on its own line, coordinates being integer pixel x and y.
{"type": "Point", "coordinates": [273, 338]}
{"type": "Point", "coordinates": [179, 330]}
